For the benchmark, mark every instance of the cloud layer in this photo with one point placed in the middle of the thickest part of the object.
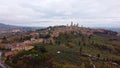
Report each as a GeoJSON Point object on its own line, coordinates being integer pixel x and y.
{"type": "Point", "coordinates": [55, 12]}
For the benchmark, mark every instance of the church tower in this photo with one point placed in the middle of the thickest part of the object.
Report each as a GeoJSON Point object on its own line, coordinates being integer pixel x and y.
{"type": "Point", "coordinates": [77, 25]}
{"type": "Point", "coordinates": [71, 23]}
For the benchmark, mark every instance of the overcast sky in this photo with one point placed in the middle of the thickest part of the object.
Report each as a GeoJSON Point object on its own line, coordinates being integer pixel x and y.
{"type": "Point", "coordinates": [100, 13]}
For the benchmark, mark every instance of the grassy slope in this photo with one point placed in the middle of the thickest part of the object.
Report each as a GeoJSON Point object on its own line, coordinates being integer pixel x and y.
{"type": "Point", "coordinates": [69, 55]}
{"type": "Point", "coordinates": [69, 47]}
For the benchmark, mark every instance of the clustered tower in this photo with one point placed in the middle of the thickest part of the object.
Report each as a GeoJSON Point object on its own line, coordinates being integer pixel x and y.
{"type": "Point", "coordinates": [72, 24]}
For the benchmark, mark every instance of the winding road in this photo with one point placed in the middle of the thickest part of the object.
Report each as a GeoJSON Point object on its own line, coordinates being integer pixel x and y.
{"type": "Point", "coordinates": [3, 65]}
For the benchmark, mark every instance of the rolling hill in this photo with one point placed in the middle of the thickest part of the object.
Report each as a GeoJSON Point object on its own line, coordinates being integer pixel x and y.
{"type": "Point", "coordinates": [4, 28]}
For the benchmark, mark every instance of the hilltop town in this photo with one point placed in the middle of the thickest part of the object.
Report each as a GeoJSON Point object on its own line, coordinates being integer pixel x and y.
{"type": "Point", "coordinates": [71, 37]}
{"type": "Point", "coordinates": [47, 36]}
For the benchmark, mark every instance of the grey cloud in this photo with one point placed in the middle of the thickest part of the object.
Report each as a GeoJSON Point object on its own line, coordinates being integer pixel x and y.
{"type": "Point", "coordinates": [86, 12]}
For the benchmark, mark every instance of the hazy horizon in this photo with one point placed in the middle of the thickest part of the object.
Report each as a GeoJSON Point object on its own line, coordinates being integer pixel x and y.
{"type": "Point", "coordinates": [44, 13]}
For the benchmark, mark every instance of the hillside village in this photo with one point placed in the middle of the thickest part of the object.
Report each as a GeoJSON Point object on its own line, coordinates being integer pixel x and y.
{"type": "Point", "coordinates": [47, 36]}
{"type": "Point", "coordinates": [66, 36]}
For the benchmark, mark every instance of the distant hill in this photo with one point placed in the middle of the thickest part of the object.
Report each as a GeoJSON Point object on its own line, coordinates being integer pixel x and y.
{"type": "Point", "coordinates": [11, 28]}
{"type": "Point", "coordinates": [5, 26]}
{"type": "Point", "coordinates": [114, 29]}
{"type": "Point", "coordinates": [117, 29]}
